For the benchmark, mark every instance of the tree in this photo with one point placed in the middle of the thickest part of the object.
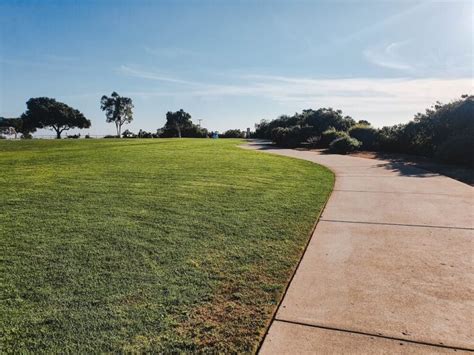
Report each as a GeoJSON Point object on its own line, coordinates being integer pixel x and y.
{"type": "Point", "coordinates": [10, 126]}
{"type": "Point", "coordinates": [233, 133]}
{"type": "Point", "coordinates": [118, 109]}
{"type": "Point", "coordinates": [128, 134]}
{"type": "Point", "coordinates": [178, 120]}
{"type": "Point", "coordinates": [15, 126]}
{"type": "Point", "coordinates": [325, 118]}
{"type": "Point", "coordinates": [44, 112]}
{"type": "Point", "coordinates": [366, 135]}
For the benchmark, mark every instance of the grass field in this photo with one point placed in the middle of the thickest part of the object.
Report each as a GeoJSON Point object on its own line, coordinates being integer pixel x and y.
{"type": "Point", "coordinates": [148, 245]}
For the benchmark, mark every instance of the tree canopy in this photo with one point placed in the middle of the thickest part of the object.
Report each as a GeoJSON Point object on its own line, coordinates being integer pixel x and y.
{"type": "Point", "coordinates": [312, 122]}
{"type": "Point", "coordinates": [45, 112]}
{"type": "Point", "coordinates": [9, 126]}
{"type": "Point", "coordinates": [178, 120]}
{"type": "Point", "coordinates": [118, 109]}
{"type": "Point", "coordinates": [18, 125]}
{"type": "Point", "coordinates": [443, 131]}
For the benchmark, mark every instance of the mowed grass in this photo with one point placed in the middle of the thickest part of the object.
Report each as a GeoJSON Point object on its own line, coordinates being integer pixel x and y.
{"type": "Point", "coordinates": [148, 245]}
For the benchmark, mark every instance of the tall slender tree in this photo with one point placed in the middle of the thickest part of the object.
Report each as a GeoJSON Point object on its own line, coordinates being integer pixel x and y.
{"type": "Point", "coordinates": [118, 109]}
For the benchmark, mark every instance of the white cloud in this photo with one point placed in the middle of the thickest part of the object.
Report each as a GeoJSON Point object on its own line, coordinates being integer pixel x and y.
{"type": "Point", "coordinates": [422, 59]}
{"type": "Point", "coordinates": [393, 100]}
{"type": "Point", "coordinates": [127, 70]}
{"type": "Point", "coordinates": [389, 56]}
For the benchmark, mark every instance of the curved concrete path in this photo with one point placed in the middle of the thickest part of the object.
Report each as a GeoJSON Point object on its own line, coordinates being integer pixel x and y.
{"type": "Point", "coordinates": [389, 268]}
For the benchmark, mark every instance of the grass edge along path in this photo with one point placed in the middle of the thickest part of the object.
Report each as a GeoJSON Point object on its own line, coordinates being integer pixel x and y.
{"type": "Point", "coordinates": [148, 245]}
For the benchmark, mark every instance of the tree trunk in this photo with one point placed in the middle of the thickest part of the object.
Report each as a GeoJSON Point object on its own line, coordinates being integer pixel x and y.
{"type": "Point", "coordinates": [58, 134]}
{"type": "Point", "coordinates": [119, 128]}
{"type": "Point", "coordinates": [179, 132]}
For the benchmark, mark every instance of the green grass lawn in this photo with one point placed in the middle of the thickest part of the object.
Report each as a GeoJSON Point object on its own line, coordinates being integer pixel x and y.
{"type": "Point", "coordinates": [148, 245]}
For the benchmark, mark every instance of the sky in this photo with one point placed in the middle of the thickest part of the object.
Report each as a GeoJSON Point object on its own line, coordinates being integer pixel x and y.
{"type": "Point", "coordinates": [232, 63]}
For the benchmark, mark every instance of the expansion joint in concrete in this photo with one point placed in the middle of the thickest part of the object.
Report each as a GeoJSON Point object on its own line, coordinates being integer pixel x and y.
{"type": "Point", "coordinates": [320, 326]}
{"type": "Point", "coordinates": [394, 224]}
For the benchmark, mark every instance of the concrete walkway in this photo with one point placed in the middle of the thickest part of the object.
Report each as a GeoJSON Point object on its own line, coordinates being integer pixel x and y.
{"type": "Point", "coordinates": [389, 268]}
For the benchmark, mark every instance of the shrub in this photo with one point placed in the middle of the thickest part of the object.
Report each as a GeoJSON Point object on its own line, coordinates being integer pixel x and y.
{"type": "Point", "coordinates": [367, 135]}
{"type": "Point", "coordinates": [319, 121]}
{"type": "Point", "coordinates": [233, 133]}
{"type": "Point", "coordinates": [144, 134]}
{"type": "Point", "coordinates": [329, 136]}
{"type": "Point", "coordinates": [128, 134]}
{"type": "Point", "coordinates": [344, 145]}
{"type": "Point", "coordinates": [279, 136]}
{"type": "Point", "coordinates": [111, 136]}
{"type": "Point", "coordinates": [429, 131]}
{"type": "Point", "coordinates": [457, 150]}
{"type": "Point", "coordinates": [74, 136]}
{"type": "Point", "coordinates": [190, 131]}
{"type": "Point", "coordinates": [313, 142]}
{"type": "Point", "coordinates": [324, 119]}
{"type": "Point", "coordinates": [291, 137]}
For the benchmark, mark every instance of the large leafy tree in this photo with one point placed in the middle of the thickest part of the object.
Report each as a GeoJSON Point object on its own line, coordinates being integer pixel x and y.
{"type": "Point", "coordinates": [15, 126]}
{"type": "Point", "coordinates": [325, 118]}
{"type": "Point", "coordinates": [118, 109]}
{"type": "Point", "coordinates": [319, 120]}
{"type": "Point", "coordinates": [9, 126]}
{"type": "Point", "coordinates": [178, 120]}
{"type": "Point", "coordinates": [45, 112]}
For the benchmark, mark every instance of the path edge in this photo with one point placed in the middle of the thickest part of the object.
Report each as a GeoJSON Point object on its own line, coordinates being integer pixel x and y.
{"type": "Point", "coordinates": [309, 239]}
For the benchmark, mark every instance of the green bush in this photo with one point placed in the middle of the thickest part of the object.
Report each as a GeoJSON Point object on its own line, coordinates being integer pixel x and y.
{"type": "Point", "coordinates": [189, 131]}
{"type": "Point", "coordinates": [344, 145]}
{"type": "Point", "coordinates": [367, 135]}
{"type": "Point", "coordinates": [286, 137]}
{"type": "Point", "coordinates": [439, 132]}
{"type": "Point", "coordinates": [128, 134]}
{"type": "Point", "coordinates": [313, 142]}
{"type": "Point", "coordinates": [232, 133]}
{"type": "Point", "coordinates": [291, 137]}
{"type": "Point", "coordinates": [319, 120]}
{"type": "Point", "coordinates": [144, 134]}
{"type": "Point", "coordinates": [329, 136]}
{"type": "Point", "coordinates": [74, 136]}
{"type": "Point", "coordinates": [457, 150]}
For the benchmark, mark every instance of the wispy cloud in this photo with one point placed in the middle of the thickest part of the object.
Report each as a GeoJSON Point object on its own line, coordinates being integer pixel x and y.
{"type": "Point", "coordinates": [421, 60]}
{"type": "Point", "coordinates": [381, 24]}
{"type": "Point", "coordinates": [47, 61]}
{"type": "Point", "coordinates": [138, 73]}
{"type": "Point", "coordinates": [389, 56]}
{"type": "Point", "coordinates": [363, 97]}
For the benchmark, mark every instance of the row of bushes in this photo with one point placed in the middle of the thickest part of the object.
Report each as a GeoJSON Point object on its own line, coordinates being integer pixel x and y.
{"type": "Point", "coordinates": [444, 132]}
{"type": "Point", "coordinates": [295, 136]}
{"type": "Point", "coordinates": [193, 131]}
{"type": "Point", "coordinates": [303, 125]}
{"type": "Point", "coordinates": [200, 133]}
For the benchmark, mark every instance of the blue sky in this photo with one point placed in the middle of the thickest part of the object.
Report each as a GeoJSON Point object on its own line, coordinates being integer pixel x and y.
{"type": "Point", "coordinates": [232, 63]}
